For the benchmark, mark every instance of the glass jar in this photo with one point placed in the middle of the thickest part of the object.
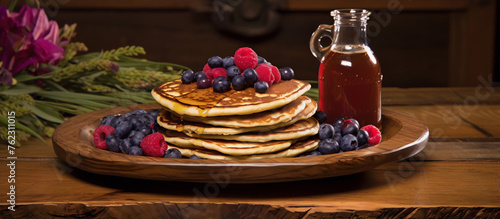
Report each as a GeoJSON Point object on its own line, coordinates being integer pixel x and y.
{"type": "Point", "coordinates": [349, 75]}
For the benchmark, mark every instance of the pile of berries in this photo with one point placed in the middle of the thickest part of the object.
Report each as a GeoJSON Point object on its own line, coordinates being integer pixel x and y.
{"type": "Point", "coordinates": [244, 69]}
{"type": "Point", "coordinates": [134, 133]}
{"type": "Point", "coordinates": [344, 135]}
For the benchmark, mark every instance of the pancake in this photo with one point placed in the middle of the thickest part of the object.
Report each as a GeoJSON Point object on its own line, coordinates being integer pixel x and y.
{"type": "Point", "coordinates": [294, 150]}
{"type": "Point", "coordinates": [235, 148]}
{"type": "Point", "coordinates": [170, 122]}
{"type": "Point", "coordinates": [300, 129]}
{"type": "Point", "coordinates": [186, 99]}
{"type": "Point", "coordinates": [270, 117]}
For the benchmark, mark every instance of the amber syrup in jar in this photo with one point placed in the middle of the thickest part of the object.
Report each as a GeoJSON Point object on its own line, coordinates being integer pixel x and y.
{"type": "Point", "coordinates": [349, 76]}
{"type": "Point", "coordinates": [350, 86]}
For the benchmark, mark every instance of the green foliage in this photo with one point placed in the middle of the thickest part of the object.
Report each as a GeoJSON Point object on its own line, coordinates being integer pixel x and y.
{"type": "Point", "coordinates": [71, 50]}
{"type": "Point", "coordinates": [143, 79]}
{"type": "Point", "coordinates": [72, 71]}
{"type": "Point", "coordinates": [80, 84]}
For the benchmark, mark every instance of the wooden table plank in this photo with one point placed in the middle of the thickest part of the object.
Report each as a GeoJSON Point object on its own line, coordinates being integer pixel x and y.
{"type": "Point", "coordinates": [241, 210]}
{"type": "Point", "coordinates": [440, 96]}
{"type": "Point", "coordinates": [419, 96]}
{"type": "Point", "coordinates": [482, 94]}
{"type": "Point", "coordinates": [459, 151]}
{"type": "Point", "coordinates": [448, 122]}
{"type": "Point", "coordinates": [33, 148]}
{"type": "Point", "coordinates": [398, 184]}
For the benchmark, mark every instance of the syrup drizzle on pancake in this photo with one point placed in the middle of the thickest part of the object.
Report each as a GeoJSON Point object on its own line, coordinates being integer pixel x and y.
{"type": "Point", "coordinates": [183, 97]}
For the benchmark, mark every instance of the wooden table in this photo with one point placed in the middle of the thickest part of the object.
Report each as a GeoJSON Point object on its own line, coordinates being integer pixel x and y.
{"type": "Point", "coordinates": [456, 175]}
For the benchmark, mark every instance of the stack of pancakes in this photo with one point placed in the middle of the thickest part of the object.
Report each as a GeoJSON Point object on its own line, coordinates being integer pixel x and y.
{"type": "Point", "coordinates": [238, 124]}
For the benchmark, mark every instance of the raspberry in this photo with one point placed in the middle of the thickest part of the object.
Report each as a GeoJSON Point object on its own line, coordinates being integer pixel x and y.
{"type": "Point", "coordinates": [100, 134]}
{"type": "Point", "coordinates": [276, 74]}
{"type": "Point", "coordinates": [154, 145]}
{"type": "Point", "coordinates": [210, 76]}
{"type": "Point", "coordinates": [265, 74]}
{"type": "Point", "coordinates": [374, 134]}
{"type": "Point", "coordinates": [206, 68]}
{"type": "Point", "coordinates": [245, 58]}
{"type": "Point", "coordinates": [216, 72]}
{"type": "Point", "coordinates": [275, 71]}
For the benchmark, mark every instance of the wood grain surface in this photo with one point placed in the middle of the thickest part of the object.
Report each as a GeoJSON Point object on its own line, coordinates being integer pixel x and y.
{"type": "Point", "coordinates": [457, 175]}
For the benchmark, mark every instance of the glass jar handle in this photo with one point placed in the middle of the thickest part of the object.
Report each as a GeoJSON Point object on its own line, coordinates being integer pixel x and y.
{"type": "Point", "coordinates": [315, 46]}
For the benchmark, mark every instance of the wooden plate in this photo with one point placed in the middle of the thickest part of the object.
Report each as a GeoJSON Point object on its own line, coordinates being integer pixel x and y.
{"type": "Point", "coordinates": [403, 137]}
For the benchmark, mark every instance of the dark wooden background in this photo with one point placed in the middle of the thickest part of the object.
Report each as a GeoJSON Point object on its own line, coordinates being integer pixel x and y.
{"type": "Point", "coordinates": [429, 43]}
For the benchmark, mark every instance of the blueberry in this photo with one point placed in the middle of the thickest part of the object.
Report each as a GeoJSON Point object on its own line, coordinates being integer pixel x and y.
{"type": "Point", "coordinates": [125, 146]}
{"type": "Point", "coordinates": [113, 142]}
{"type": "Point", "coordinates": [228, 62]}
{"type": "Point", "coordinates": [107, 120]}
{"type": "Point", "coordinates": [238, 82]}
{"type": "Point", "coordinates": [138, 112]}
{"type": "Point", "coordinates": [137, 138]}
{"type": "Point", "coordinates": [286, 73]}
{"type": "Point", "coordinates": [328, 146]}
{"type": "Point", "coordinates": [250, 76]}
{"type": "Point", "coordinates": [135, 150]}
{"type": "Point", "coordinates": [325, 131]}
{"type": "Point", "coordinates": [145, 129]}
{"type": "Point", "coordinates": [337, 137]}
{"type": "Point", "coordinates": [221, 84]}
{"type": "Point", "coordinates": [199, 75]}
{"type": "Point", "coordinates": [203, 83]}
{"type": "Point", "coordinates": [132, 133]}
{"type": "Point", "coordinates": [123, 128]}
{"type": "Point", "coordinates": [349, 143]}
{"type": "Point", "coordinates": [313, 153]}
{"type": "Point", "coordinates": [146, 119]}
{"type": "Point", "coordinates": [135, 121]}
{"type": "Point", "coordinates": [261, 60]}
{"type": "Point", "coordinates": [261, 86]}
{"type": "Point", "coordinates": [154, 113]}
{"type": "Point", "coordinates": [354, 121]}
{"type": "Point", "coordinates": [194, 157]}
{"type": "Point", "coordinates": [337, 124]}
{"type": "Point", "coordinates": [115, 121]}
{"type": "Point", "coordinates": [173, 153]}
{"type": "Point", "coordinates": [350, 127]}
{"type": "Point", "coordinates": [187, 77]}
{"type": "Point", "coordinates": [233, 71]}
{"type": "Point", "coordinates": [134, 113]}
{"type": "Point", "coordinates": [217, 79]}
{"type": "Point", "coordinates": [215, 62]}
{"type": "Point", "coordinates": [362, 137]}
{"type": "Point", "coordinates": [320, 116]}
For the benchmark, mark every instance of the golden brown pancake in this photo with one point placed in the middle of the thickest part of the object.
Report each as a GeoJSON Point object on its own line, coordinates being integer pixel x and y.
{"type": "Point", "coordinates": [294, 150]}
{"type": "Point", "coordinates": [269, 117]}
{"type": "Point", "coordinates": [234, 148]}
{"type": "Point", "coordinates": [168, 121]}
{"type": "Point", "coordinates": [187, 99]}
{"type": "Point", "coordinates": [300, 129]}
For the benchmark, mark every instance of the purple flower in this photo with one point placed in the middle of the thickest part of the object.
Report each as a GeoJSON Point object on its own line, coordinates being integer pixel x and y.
{"type": "Point", "coordinates": [27, 39]}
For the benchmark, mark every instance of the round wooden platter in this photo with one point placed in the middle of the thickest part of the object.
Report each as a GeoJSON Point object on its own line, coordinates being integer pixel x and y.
{"type": "Point", "coordinates": [403, 137]}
